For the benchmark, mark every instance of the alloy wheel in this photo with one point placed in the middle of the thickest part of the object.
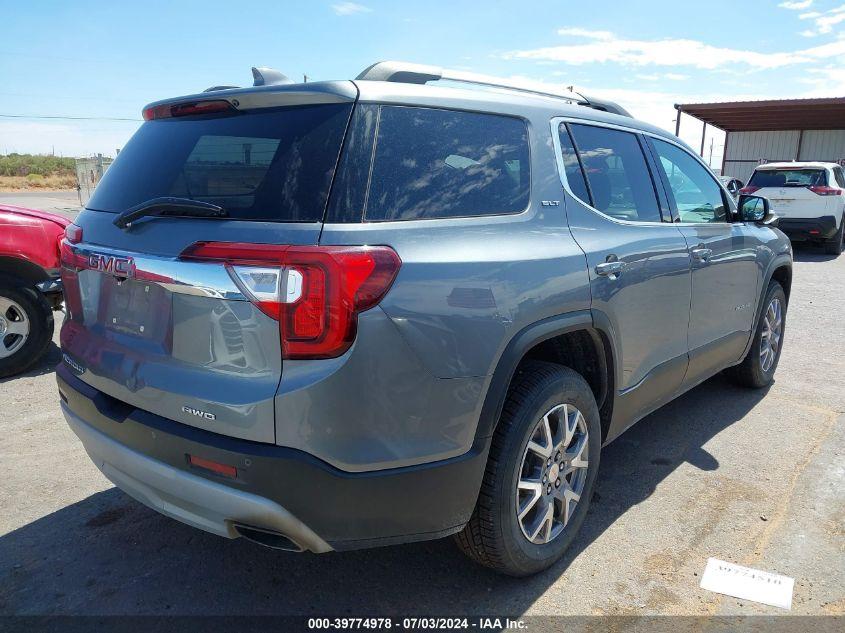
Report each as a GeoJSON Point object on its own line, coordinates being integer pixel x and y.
{"type": "Point", "coordinates": [552, 474]}
{"type": "Point", "coordinates": [14, 327]}
{"type": "Point", "coordinates": [771, 336]}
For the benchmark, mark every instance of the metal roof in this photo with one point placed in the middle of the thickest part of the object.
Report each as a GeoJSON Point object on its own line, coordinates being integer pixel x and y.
{"type": "Point", "coordinates": [782, 114]}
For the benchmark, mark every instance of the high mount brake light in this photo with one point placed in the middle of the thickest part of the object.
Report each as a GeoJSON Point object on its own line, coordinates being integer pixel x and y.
{"type": "Point", "coordinates": [824, 190]}
{"type": "Point", "coordinates": [168, 111]}
{"type": "Point", "coordinates": [315, 292]}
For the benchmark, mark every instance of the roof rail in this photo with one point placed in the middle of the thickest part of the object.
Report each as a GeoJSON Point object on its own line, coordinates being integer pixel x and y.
{"type": "Point", "coordinates": [405, 72]}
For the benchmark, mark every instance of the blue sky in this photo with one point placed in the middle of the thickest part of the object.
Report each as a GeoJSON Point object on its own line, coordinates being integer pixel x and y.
{"type": "Point", "coordinates": [101, 59]}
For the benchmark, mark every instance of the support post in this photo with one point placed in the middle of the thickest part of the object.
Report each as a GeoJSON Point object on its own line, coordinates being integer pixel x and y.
{"type": "Point", "coordinates": [678, 120]}
{"type": "Point", "coordinates": [703, 132]}
{"type": "Point", "coordinates": [800, 142]}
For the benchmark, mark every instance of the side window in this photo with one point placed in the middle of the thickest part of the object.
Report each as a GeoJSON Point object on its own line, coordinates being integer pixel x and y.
{"type": "Point", "coordinates": [571, 166]}
{"type": "Point", "coordinates": [840, 177]}
{"type": "Point", "coordinates": [697, 195]}
{"type": "Point", "coordinates": [617, 173]}
{"type": "Point", "coordinates": [431, 163]}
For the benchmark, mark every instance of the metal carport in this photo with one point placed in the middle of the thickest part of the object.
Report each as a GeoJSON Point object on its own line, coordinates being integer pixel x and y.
{"type": "Point", "coordinates": [773, 130]}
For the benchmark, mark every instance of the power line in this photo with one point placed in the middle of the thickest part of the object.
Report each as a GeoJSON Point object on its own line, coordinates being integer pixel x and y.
{"type": "Point", "coordinates": [67, 118]}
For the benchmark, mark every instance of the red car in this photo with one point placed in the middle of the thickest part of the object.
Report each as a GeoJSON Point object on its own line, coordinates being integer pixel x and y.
{"type": "Point", "coordinates": [30, 288]}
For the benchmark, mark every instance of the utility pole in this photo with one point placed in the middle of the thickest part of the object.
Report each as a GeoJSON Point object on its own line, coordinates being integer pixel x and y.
{"type": "Point", "coordinates": [305, 79]}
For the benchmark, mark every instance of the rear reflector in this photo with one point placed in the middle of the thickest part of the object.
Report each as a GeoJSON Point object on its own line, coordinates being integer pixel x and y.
{"type": "Point", "coordinates": [315, 292]}
{"type": "Point", "coordinates": [215, 467]}
{"type": "Point", "coordinates": [186, 109]}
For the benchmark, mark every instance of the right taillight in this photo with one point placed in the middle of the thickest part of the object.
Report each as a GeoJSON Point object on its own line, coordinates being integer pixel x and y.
{"type": "Point", "coordinates": [748, 189]}
{"type": "Point", "coordinates": [315, 292]}
{"type": "Point", "coordinates": [824, 190]}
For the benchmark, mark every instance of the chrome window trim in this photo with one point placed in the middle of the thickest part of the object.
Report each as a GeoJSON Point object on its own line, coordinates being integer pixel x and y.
{"type": "Point", "coordinates": [561, 169]}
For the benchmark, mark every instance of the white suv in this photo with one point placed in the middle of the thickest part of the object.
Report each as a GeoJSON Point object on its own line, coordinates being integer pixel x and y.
{"type": "Point", "coordinates": [809, 198]}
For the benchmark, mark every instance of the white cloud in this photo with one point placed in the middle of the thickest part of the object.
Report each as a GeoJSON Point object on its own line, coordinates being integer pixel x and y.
{"type": "Point", "coordinates": [796, 5]}
{"type": "Point", "coordinates": [824, 21]}
{"type": "Point", "coordinates": [825, 82]}
{"type": "Point", "coordinates": [586, 33]}
{"type": "Point", "coordinates": [671, 52]}
{"type": "Point", "coordinates": [349, 8]}
{"type": "Point", "coordinates": [658, 77]}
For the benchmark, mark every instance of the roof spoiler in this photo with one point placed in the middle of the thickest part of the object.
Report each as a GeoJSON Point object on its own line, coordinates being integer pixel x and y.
{"type": "Point", "coordinates": [404, 72]}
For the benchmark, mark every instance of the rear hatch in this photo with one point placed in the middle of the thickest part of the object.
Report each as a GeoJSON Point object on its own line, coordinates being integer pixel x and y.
{"type": "Point", "coordinates": [154, 320]}
{"type": "Point", "coordinates": [794, 192]}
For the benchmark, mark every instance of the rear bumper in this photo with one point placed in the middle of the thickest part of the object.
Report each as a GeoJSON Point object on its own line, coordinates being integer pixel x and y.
{"type": "Point", "coordinates": [799, 229]}
{"type": "Point", "coordinates": [278, 489]}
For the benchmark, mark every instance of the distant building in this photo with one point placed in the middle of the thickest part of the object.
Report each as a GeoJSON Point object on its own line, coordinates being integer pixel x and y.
{"type": "Point", "coordinates": [777, 130]}
{"type": "Point", "coordinates": [89, 172]}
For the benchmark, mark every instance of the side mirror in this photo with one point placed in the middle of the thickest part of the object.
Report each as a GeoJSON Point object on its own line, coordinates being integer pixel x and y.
{"type": "Point", "coordinates": [755, 209]}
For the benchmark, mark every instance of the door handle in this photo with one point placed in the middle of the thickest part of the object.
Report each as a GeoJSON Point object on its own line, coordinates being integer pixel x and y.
{"type": "Point", "coordinates": [610, 270]}
{"type": "Point", "coordinates": [702, 254]}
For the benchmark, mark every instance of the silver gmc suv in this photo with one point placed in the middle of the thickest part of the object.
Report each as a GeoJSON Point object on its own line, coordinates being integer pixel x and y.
{"type": "Point", "coordinates": [337, 315]}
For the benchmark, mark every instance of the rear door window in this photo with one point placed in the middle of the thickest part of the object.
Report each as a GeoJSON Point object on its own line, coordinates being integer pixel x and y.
{"type": "Point", "coordinates": [619, 180]}
{"type": "Point", "coordinates": [431, 163]}
{"type": "Point", "coordinates": [572, 166]}
{"type": "Point", "coordinates": [275, 164]}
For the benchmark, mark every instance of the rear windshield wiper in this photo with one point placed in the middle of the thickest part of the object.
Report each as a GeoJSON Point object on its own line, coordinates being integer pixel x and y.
{"type": "Point", "coordinates": [170, 206]}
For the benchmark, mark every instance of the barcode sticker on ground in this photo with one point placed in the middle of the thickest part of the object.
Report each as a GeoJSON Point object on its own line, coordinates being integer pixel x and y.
{"type": "Point", "coordinates": [749, 584]}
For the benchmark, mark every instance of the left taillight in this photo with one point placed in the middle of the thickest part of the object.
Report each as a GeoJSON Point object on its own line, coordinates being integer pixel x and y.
{"type": "Point", "coordinates": [71, 262]}
{"type": "Point", "coordinates": [314, 292]}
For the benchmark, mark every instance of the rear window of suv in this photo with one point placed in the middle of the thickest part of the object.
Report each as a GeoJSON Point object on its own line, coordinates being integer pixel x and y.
{"type": "Point", "coordinates": [431, 163]}
{"type": "Point", "coordinates": [788, 178]}
{"type": "Point", "coordinates": [274, 164]}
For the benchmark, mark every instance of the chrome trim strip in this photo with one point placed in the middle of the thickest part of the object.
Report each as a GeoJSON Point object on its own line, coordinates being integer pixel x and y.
{"type": "Point", "coordinates": [561, 169]}
{"type": "Point", "coordinates": [181, 277]}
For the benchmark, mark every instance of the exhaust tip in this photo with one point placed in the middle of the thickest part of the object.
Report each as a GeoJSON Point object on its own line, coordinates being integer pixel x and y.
{"type": "Point", "coordinates": [268, 538]}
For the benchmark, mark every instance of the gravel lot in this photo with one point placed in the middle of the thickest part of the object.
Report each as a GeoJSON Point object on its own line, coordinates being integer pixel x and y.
{"type": "Point", "coordinates": [750, 477]}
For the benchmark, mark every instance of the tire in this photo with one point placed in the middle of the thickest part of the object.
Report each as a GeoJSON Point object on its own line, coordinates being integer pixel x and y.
{"type": "Point", "coordinates": [22, 308]}
{"type": "Point", "coordinates": [836, 244]}
{"type": "Point", "coordinates": [753, 372]}
{"type": "Point", "coordinates": [494, 535]}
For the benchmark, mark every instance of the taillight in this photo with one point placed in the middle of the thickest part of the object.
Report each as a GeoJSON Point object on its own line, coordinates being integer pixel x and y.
{"type": "Point", "coordinates": [168, 110]}
{"type": "Point", "coordinates": [748, 189]}
{"type": "Point", "coordinates": [315, 292]}
{"type": "Point", "coordinates": [824, 190]}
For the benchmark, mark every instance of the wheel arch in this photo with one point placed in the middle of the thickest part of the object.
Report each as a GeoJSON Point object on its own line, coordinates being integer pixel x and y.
{"type": "Point", "coordinates": [17, 268]}
{"type": "Point", "coordinates": [568, 339]}
{"type": "Point", "coordinates": [780, 270]}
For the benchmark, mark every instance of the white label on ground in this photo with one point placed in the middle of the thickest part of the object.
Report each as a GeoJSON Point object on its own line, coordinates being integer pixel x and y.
{"type": "Point", "coordinates": [749, 584]}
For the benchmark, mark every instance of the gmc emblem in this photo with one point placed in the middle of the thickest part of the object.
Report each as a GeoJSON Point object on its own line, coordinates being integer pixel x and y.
{"type": "Point", "coordinates": [111, 264]}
